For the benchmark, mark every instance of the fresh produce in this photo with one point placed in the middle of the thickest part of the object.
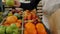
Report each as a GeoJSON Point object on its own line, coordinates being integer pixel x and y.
{"type": "Point", "coordinates": [10, 14]}
{"type": "Point", "coordinates": [25, 14]}
{"type": "Point", "coordinates": [32, 23]}
{"type": "Point", "coordinates": [16, 32]}
{"type": "Point", "coordinates": [30, 28]}
{"type": "Point", "coordinates": [19, 21]}
{"type": "Point", "coordinates": [10, 2]}
{"type": "Point", "coordinates": [9, 30]}
{"type": "Point", "coordinates": [40, 29]}
{"type": "Point", "coordinates": [18, 15]}
{"type": "Point", "coordinates": [30, 32]}
{"type": "Point", "coordinates": [18, 25]}
{"type": "Point", "coordinates": [33, 15]}
{"type": "Point", "coordinates": [6, 23]}
{"type": "Point", "coordinates": [25, 32]}
{"type": "Point", "coordinates": [13, 26]}
{"type": "Point", "coordinates": [29, 15]}
{"type": "Point", "coordinates": [13, 19]}
{"type": "Point", "coordinates": [2, 29]}
{"type": "Point", "coordinates": [15, 29]}
{"type": "Point", "coordinates": [12, 29]}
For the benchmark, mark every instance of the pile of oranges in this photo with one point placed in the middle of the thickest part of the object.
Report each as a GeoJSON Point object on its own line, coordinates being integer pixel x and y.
{"type": "Point", "coordinates": [30, 28]}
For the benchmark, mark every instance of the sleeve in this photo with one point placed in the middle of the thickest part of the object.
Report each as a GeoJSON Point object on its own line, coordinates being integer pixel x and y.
{"type": "Point", "coordinates": [30, 5]}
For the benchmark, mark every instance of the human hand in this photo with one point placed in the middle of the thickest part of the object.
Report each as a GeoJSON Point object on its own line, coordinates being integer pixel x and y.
{"type": "Point", "coordinates": [17, 3]}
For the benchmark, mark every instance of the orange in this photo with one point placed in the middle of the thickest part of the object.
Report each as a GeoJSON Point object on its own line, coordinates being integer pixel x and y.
{"type": "Point", "coordinates": [19, 21]}
{"type": "Point", "coordinates": [33, 15]}
{"type": "Point", "coordinates": [11, 19]}
{"type": "Point", "coordinates": [40, 29]}
{"type": "Point", "coordinates": [6, 23]}
{"type": "Point", "coordinates": [30, 27]}
{"type": "Point", "coordinates": [25, 32]}
{"type": "Point", "coordinates": [18, 25]}
{"type": "Point", "coordinates": [25, 14]}
{"type": "Point", "coordinates": [32, 32]}
{"type": "Point", "coordinates": [29, 16]}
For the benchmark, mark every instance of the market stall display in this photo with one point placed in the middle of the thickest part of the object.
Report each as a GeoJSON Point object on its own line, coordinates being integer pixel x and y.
{"type": "Point", "coordinates": [30, 22]}
{"type": "Point", "coordinates": [33, 24]}
{"type": "Point", "coordinates": [22, 22]}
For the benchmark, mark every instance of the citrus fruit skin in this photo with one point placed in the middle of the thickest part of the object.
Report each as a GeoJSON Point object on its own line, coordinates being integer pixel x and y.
{"type": "Point", "coordinates": [11, 19]}
{"type": "Point", "coordinates": [40, 28]}
{"type": "Point", "coordinates": [30, 28]}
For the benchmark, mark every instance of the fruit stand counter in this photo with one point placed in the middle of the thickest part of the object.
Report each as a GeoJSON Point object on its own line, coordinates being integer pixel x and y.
{"type": "Point", "coordinates": [22, 22]}
{"type": "Point", "coordinates": [28, 22]}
